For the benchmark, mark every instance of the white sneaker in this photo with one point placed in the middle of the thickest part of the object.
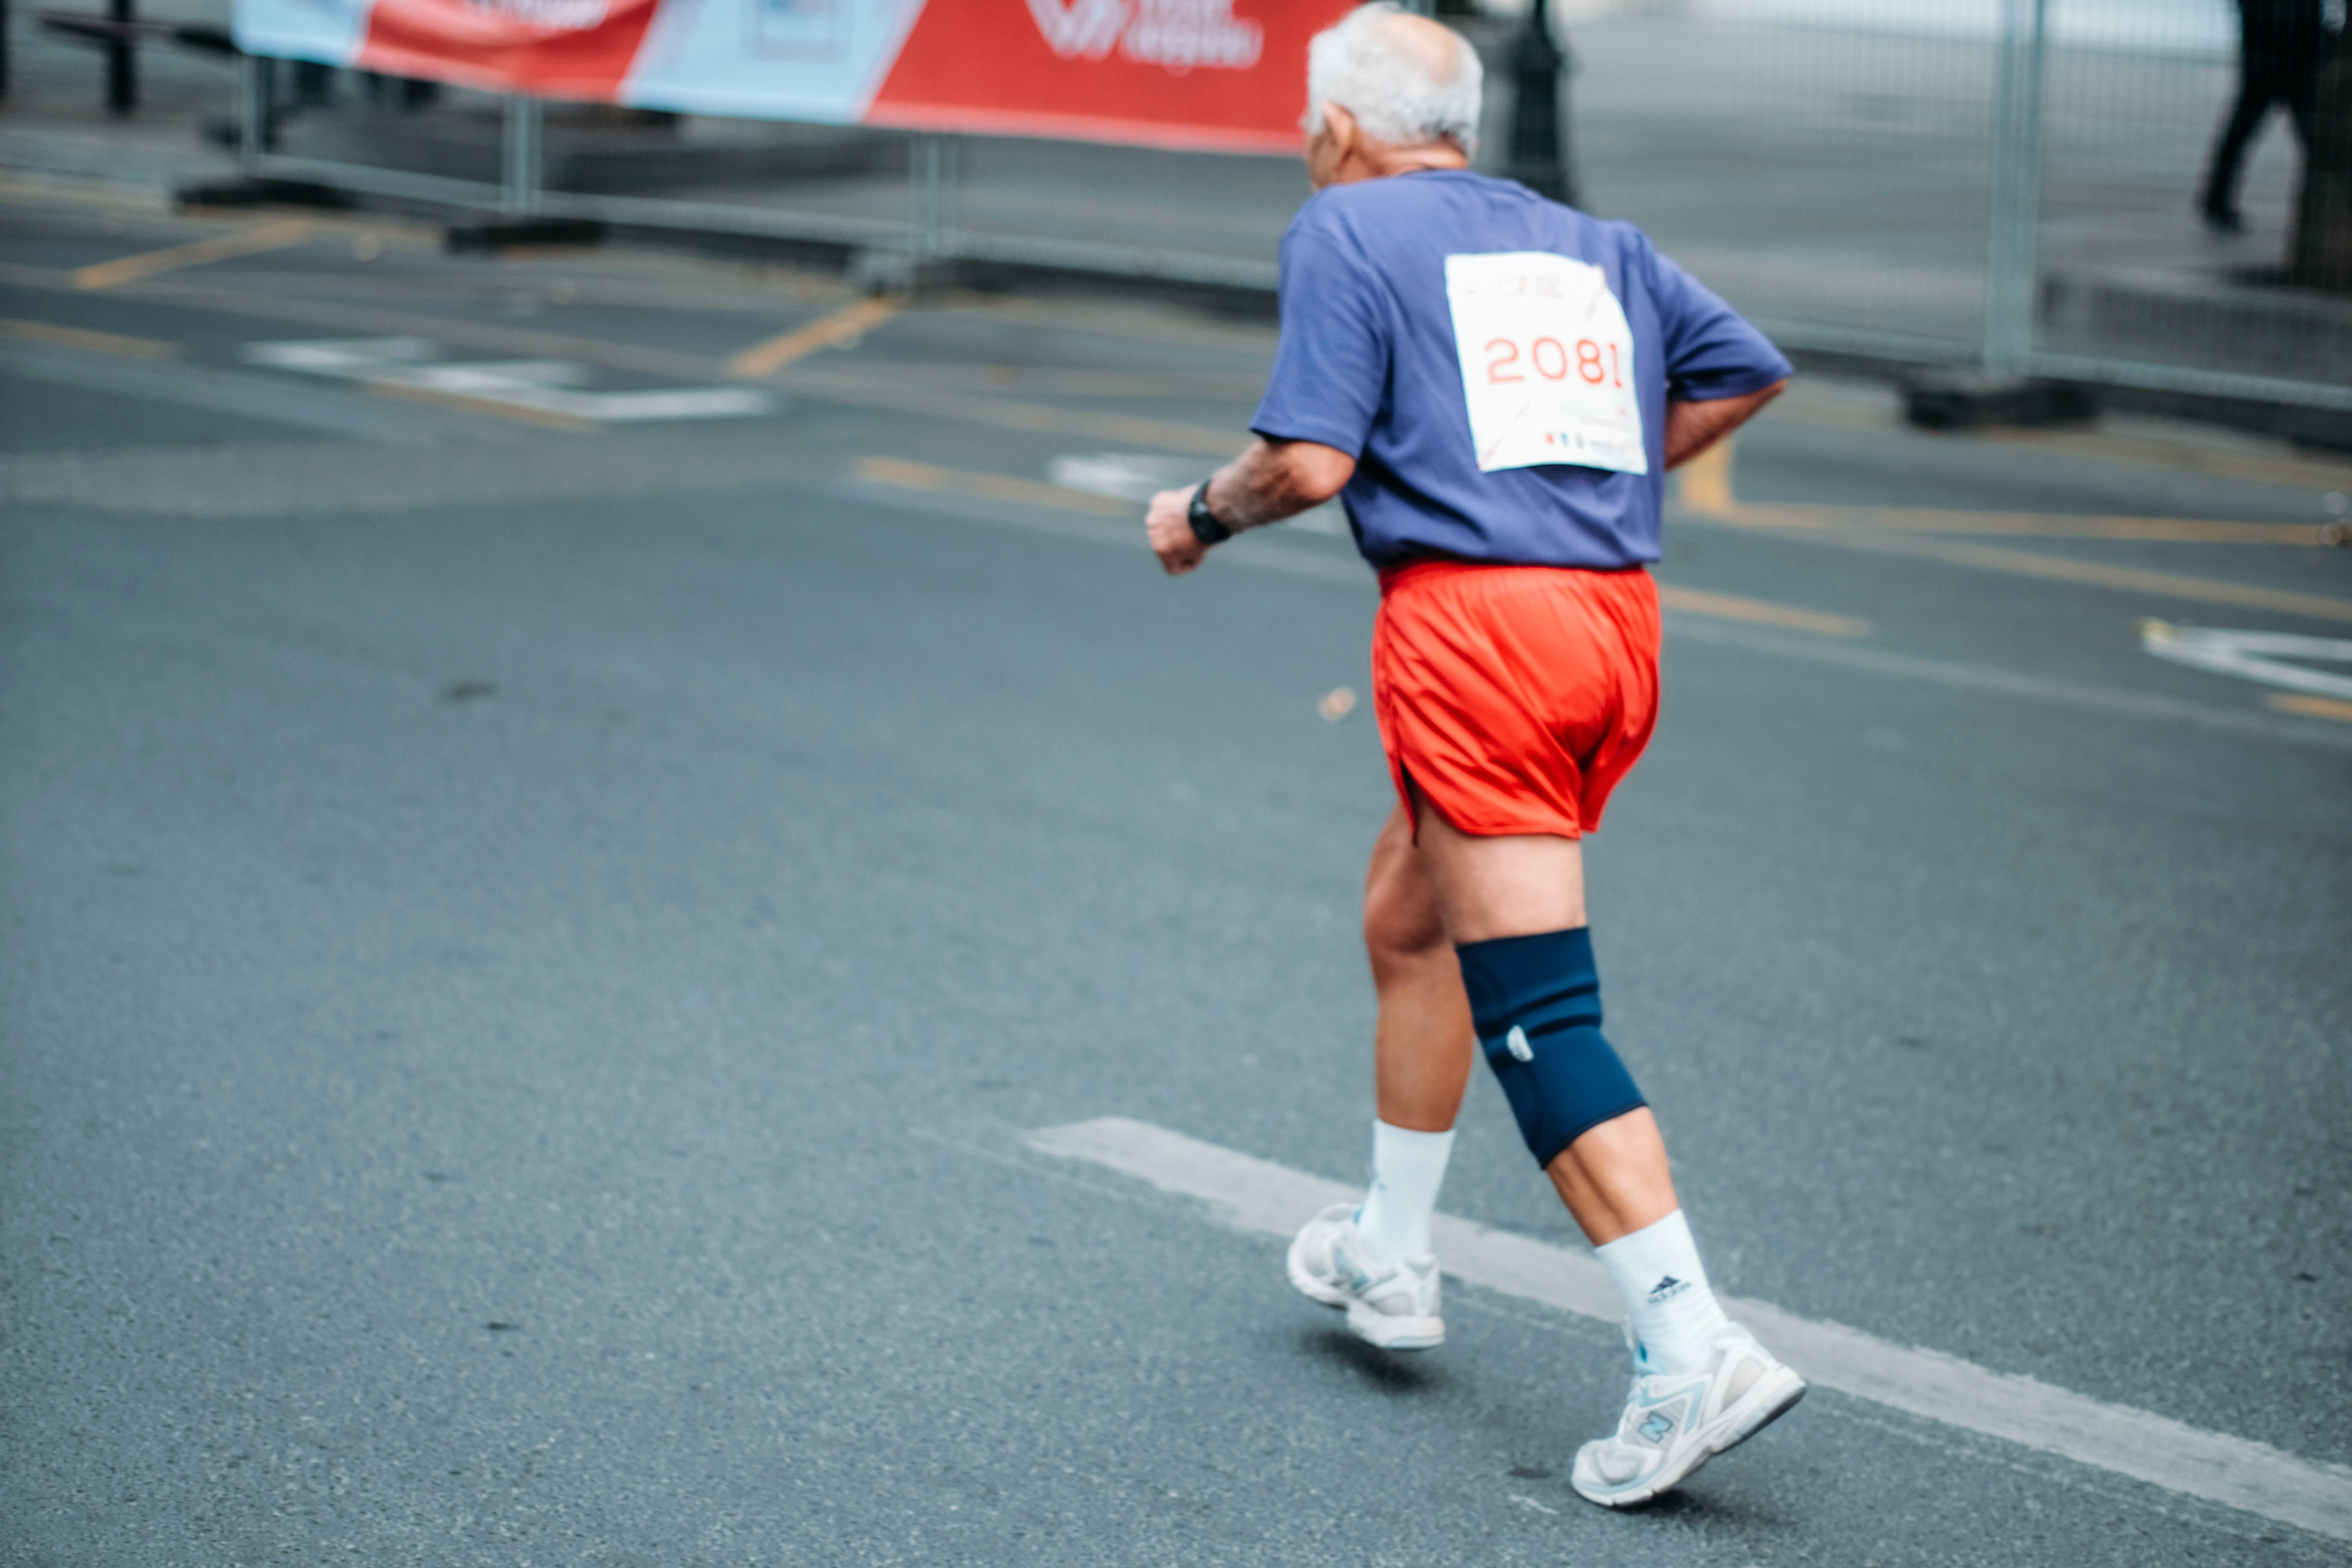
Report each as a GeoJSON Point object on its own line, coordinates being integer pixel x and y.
{"type": "Point", "coordinates": [1393, 1305]}
{"type": "Point", "coordinates": [1675, 1422]}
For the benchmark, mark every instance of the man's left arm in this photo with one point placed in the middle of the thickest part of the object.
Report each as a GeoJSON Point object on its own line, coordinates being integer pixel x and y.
{"type": "Point", "coordinates": [1720, 371]}
{"type": "Point", "coordinates": [1270, 481]}
{"type": "Point", "coordinates": [1692, 428]}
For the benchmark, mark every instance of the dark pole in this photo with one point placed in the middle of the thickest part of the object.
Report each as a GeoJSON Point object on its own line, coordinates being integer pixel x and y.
{"type": "Point", "coordinates": [1538, 143]}
{"type": "Point", "coordinates": [121, 68]}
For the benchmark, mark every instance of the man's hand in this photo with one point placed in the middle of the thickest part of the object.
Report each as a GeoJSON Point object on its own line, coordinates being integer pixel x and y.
{"type": "Point", "coordinates": [1270, 481]}
{"type": "Point", "coordinates": [1169, 525]}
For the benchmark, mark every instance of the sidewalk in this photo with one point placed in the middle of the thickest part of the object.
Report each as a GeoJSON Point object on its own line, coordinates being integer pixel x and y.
{"type": "Point", "coordinates": [1833, 185]}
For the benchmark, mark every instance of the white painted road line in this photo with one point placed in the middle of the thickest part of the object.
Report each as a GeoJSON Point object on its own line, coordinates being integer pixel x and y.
{"type": "Point", "coordinates": [1993, 681]}
{"type": "Point", "coordinates": [327, 410]}
{"type": "Point", "coordinates": [539, 385]}
{"type": "Point", "coordinates": [1253, 1194]}
{"type": "Point", "coordinates": [2266, 657]}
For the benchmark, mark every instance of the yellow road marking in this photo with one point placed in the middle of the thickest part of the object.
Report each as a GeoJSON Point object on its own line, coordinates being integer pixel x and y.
{"type": "Point", "coordinates": [1000, 486]}
{"type": "Point", "coordinates": [1706, 489]}
{"type": "Point", "coordinates": [1893, 530]}
{"type": "Point", "coordinates": [1033, 492]}
{"type": "Point", "coordinates": [2009, 524]}
{"type": "Point", "coordinates": [2098, 574]}
{"type": "Point", "coordinates": [545, 418]}
{"type": "Point", "coordinates": [95, 343]}
{"type": "Point", "coordinates": [1697, 602]}
{"type": "Point", "coordinates": [840, 327]}
{"type": "Point", "coordinates": [1705, 480]}
{"type": "Point", "coordinates": [245, 242]}
{"type": "Point", "coordinates": [78, 194]}
{"type": "Point", "coordinates": [1805, 404]}
{"type": "Point", "coordinates": [2312, 472]}
{"type": "Point", "coordinates": [2311, 707]}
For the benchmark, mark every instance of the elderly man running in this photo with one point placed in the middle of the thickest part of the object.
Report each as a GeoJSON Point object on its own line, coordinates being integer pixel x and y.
{"type": "Point", "coordinates": [1496, 385]}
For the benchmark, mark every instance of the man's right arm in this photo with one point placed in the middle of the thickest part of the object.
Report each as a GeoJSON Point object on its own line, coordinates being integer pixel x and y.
{"type": "Point", "coordinates": [1270, 481]}
{"type": "Point", "coordinates": [1321, 397]}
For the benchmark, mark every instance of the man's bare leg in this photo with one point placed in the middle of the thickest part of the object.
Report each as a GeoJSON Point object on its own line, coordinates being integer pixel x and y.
{"type": "Point", "coordinates": [1423, 1044]}
{"type": "Point", "coordinates": [1373, 1258]}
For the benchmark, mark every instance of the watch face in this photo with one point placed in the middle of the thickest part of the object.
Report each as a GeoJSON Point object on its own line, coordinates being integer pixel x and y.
{"type": "Point", "coordinates": [1205, 521]}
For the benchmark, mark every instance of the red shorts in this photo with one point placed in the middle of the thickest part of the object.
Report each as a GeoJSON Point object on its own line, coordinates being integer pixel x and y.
{"type": "Point", "coordinates": [1515, 697]}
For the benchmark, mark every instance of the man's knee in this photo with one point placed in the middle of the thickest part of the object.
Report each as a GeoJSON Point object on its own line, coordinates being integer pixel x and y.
{"type": "Point", "coordinates": [1401, 923]}
{"type": "Point", "coordinates": [1534, 1002]}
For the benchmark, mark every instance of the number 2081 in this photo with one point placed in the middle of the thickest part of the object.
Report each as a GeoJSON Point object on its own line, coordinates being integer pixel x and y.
{"type": "Point", "coordinates": [1595, 364]}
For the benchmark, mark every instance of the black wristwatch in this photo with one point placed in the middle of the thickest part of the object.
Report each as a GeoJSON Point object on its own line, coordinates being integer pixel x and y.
{"type": "Point", "coordinates": [1205, 526]}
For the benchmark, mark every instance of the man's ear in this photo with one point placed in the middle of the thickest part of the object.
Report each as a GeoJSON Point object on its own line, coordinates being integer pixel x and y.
{"type": "Point", "coordinates": [1341, 127]}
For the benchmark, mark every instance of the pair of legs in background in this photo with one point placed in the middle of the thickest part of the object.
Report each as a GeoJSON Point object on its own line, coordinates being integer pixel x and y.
{"type": "Point", "coordinates": [2278, 64]}
{"type": "Point", "coordinates": [1520, 699]}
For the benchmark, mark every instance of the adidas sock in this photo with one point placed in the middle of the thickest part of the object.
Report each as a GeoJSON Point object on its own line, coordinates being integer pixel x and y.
{"type": "Point", "coordinates": [1407, 1169]}
{"type": "Point", "coordinates": [1657, 1271]}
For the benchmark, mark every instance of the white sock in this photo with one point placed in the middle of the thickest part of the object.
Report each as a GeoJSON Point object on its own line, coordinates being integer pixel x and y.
{"type": "Point", "coordinates": [1657, 1271]}
{"type": "Point", "coordinates": [1408, 1167]}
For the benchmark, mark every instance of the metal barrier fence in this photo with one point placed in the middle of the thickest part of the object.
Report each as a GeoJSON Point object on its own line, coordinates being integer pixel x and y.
{"type": "Point", "coordinates": [2008, 185]}
{"type": "Point", "coordinates": [2004, 184]}
{"type": "Point", "coordinates": [762, 185]}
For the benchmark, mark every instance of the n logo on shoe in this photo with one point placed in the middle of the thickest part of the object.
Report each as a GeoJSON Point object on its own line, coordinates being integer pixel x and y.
{"type": "Point", "coordinates": [1657, 1429]}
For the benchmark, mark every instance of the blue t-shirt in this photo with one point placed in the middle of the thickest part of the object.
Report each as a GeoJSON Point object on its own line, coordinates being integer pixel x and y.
{"type": "Point", "coordinates": [1368, 364]}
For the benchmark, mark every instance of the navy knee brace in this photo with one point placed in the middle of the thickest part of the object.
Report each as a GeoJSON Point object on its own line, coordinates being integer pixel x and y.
{"type": "Point", "coordinates": [1536, 1004]}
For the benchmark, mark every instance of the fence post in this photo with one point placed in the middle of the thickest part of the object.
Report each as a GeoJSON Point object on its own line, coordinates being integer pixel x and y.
{"type": "Point", "coordinates": [519, 151]}
{"type": "Point", "coordinates": [2010, 264]}
{"type": "Point", "coordinates": [928, 181]}
{"type": "Point", "coordinates": [252, 112]}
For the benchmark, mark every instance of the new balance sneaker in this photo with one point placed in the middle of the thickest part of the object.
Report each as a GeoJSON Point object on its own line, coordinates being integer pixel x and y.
{"type": "Point", "coordinates": [1393, 1306]}
{"type": "Point", "coordinates": [1675, 1422]}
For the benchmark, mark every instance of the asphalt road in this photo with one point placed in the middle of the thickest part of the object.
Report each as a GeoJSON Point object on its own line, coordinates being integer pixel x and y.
{"type": "Point", "coordinates": [537, 923]}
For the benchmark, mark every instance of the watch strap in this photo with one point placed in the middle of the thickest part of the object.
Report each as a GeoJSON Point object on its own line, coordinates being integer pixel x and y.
{"type": "Point", "coordinates": [1206, 526]}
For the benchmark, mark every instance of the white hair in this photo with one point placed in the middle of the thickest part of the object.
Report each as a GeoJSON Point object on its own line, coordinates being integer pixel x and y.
{"type": "Point", "coordinates": [1359, 65]}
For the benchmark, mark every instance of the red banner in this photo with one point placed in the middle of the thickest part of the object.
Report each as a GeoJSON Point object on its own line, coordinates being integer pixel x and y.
{"type": "Point", "coordinates": [579, 50]}
{"type": "Point", "coordinates": [1225, 74]}
{"type": "Point", "coordinates": [1214, 75]}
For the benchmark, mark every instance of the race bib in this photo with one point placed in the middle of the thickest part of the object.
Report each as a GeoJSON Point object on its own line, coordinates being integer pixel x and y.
{"type": "Point", "coordinates": [1546, 363]}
